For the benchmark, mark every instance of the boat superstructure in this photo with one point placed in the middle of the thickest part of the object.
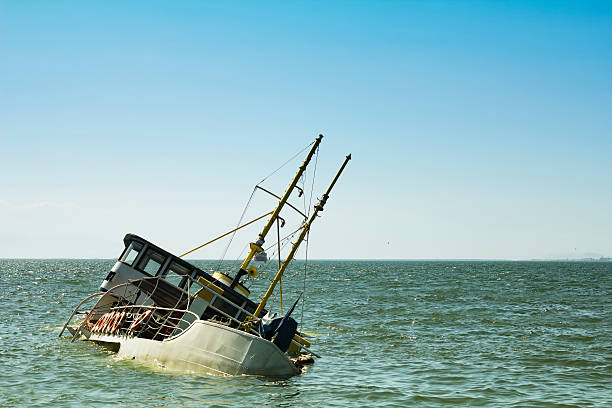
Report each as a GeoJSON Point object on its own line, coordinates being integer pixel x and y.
{"type": "Point", "coordinates": [156, 306]}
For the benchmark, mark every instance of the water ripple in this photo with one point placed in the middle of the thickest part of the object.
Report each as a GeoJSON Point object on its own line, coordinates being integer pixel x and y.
{"type": "Point", "coordinates": [391, 334]}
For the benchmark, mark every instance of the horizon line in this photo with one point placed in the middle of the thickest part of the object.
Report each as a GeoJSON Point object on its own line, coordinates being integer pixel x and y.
{"type": "Point", "coordinates": [586, 259]}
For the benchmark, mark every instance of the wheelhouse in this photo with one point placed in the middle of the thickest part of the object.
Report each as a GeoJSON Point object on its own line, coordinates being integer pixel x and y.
{"type": "Point", "coordinates": [148, 274]}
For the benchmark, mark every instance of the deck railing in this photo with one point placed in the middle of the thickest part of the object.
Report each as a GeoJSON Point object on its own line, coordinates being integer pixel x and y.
{"type": "Point", "coordinates": [164, 322]}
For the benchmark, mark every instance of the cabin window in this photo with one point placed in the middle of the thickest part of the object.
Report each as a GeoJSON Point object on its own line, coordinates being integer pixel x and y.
{"type": "Point", "coordinates": [151, 263]}
{"type": "Point", "coordinates": [177, 275]}
{"type": "Point", "coordinates": [131, 252]}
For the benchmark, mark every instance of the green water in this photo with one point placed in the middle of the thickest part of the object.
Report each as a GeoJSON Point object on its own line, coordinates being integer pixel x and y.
{"type": "Point", "coordinates": [516, 334]}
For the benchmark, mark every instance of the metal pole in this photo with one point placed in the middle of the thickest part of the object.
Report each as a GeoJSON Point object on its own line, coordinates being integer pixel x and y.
{"type": "Point", "coordinates": [305, 229]}
{"type": "Point", "coordinates": [257, 246]}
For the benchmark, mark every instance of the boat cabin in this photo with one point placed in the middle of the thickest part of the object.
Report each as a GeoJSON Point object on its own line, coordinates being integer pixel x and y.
{"type": "Point", "coordinates": [147, 274]}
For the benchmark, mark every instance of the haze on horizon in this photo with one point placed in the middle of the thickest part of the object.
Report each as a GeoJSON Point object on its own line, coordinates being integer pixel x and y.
{"type": "Point", "coordinates": [479, 130]}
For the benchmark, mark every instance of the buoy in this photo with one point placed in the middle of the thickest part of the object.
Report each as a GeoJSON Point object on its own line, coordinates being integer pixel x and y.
{"type": "Point", "coordinates": [95, 325]}
{"type": "Point", "coordinates": [117, 322]}
{"type": "Point", "coordinates": [111, 323]}
{"type": "Point", "coordinates": [140, 320]}
{"type": "Point", "coordinates": [108, 323]}
{"type": "Point", "coordinates": [100, 323]}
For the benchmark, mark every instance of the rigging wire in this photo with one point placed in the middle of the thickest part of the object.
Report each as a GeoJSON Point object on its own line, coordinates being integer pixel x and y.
{"type": "Point", "coordinates": [285, 163]}
{"type": "Point", "coordinates": [286, 238]}
{"type": "Point", "coordinates": [224, 235]}
{"type": "Point", "coordinates": [289, 235]}
{"type": "Point", "coordinates": [304, 177]}
{"type": "Point", "coordinates": [304, 288]}
{"type": "Point", "coordinates": [314, 173]}
{"type": "Point", "coordinates": [239, 258]}
{"type": "Point", "coordinates": [234, 234]}
{"type": "Point", "coordinates": [280, 281]}
{"type": "Point", "coordinates": [307, 210]}
{"type": "Point", "coordinates": [251, 198]}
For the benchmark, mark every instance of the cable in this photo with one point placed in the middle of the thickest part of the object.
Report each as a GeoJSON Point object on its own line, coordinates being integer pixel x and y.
{"type": "Point", "coordinates": [304, 288]}
{"type": "Point", "coordinates": [237, 225]}
{"type": "Point", "coordinates": [285, 163]}
{"type": "Point", "coordinates": [314, 173]}
{"type": "Point", "coordinates": [251, 198]}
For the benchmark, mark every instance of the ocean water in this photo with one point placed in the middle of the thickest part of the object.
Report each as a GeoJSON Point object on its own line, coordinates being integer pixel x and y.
{"type": "Point", "coordinates": [396, 334]}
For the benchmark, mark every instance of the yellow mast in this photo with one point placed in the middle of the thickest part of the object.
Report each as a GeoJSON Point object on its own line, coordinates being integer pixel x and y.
{"type": "Point", "coordinates": [257, 246]}
{"type": "Point", "coordinates": [305, 229]}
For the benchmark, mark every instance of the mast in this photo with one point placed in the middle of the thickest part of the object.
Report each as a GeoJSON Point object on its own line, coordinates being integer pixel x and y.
{"type": "Point", "coordinates": [257, 245]}
{"type": "Point", "coordinates": [305, 229]}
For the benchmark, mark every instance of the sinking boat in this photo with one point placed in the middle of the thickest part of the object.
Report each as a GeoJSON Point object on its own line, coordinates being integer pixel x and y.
{"type": "Point", "coordinates": [156, 306]}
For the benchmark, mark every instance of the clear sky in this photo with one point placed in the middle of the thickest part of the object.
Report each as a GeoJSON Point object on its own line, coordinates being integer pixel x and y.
{"type": "Point", "coordinates": [479, 129]}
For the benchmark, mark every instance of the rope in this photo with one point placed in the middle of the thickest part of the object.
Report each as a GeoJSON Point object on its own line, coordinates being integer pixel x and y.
{"type": "Point", "coordinates": [304, 288]}
{"type": "Point", "coordinates": [289, 235]}
{"type": "Point", "coordinates": [226, 234]}
{"type": "Point", "coordinates": [234, 234]}
{"type": "Point", "coordinates": [279, 264]}
{"type": "Point", "coordinates": [239, 259]}
{"type": "Point", "coordinates": [304, 176]}
{"type": "Point", "coordinates": [314, 173]}
{"type": "Point", "coordinates": [251, 198]}
{"type": "Point", "coordinates": [285, 163]}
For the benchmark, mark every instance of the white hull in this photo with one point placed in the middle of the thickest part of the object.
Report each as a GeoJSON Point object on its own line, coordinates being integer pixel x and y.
{"type": "Point", "coordinates": [207, 347]}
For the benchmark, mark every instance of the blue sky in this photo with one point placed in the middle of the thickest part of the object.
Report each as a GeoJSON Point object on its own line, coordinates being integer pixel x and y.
{"type": "Point", "coordinates": [479, 129]}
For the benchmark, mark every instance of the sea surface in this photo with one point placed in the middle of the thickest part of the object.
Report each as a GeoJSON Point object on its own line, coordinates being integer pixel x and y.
{"type": "Point", "coordinates": [390, 334]}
